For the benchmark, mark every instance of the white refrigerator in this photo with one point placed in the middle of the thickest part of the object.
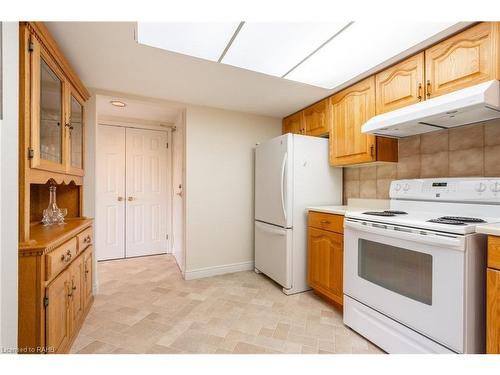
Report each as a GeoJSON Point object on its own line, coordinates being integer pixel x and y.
{"type": "Point", "coordinates": [292, 172]}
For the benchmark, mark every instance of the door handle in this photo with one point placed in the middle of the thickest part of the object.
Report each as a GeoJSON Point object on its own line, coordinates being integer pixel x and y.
{"type": "Point", "coordinates": [130, 199]}
{"type": "Point", "coordinates": [119, 199]}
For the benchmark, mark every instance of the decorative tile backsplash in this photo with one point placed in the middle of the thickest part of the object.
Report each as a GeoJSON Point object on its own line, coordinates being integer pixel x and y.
{"type": "Point", "coordinates": [472, 150]}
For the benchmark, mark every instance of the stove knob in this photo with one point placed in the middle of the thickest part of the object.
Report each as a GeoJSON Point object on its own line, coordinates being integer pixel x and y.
{"type": "Point", "coordinates": [406, 187]}
{"type": "Point", "coordinates": [495, 187]}
{"type": "Point", "coordinates": [397, 187]}
{"type": "Point", "coordinates": [481, 187]}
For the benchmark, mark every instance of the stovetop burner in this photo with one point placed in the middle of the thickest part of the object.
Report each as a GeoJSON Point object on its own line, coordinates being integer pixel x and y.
{"type": "Point", "coordinates": [464, 219]}
{"type": "Point", "coordinates": [385, 213]}
{"type": "Point", "coordinates": [446, 221]}
{"type": "Point", "coordinates": [396, 212]}
{"type": "Point", "coordinates": [379, 213]}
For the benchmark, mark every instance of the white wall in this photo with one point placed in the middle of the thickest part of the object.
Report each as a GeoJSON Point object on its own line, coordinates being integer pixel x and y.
{"type": "Point", "coordinates": [9, 140]}
{"type": "Point", "coordinates": [220, 188]}
{"type": "Point", "coordinates": [89, 179]}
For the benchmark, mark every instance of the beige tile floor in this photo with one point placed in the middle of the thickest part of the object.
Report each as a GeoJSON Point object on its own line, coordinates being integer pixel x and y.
{"type": "Point", "coordinates": [144, 306]}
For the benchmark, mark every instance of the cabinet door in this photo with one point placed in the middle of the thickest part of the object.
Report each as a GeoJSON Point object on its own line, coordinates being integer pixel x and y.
{"type": "Point", "coordinates": [47, 111]}
{"type": "Point", "coordinates": [76, 292]}
{"type": "Point", "coordinates": [400, 85]}
{"type": "Point", "coordinates": [87, 276]}
{"type": "Point", "coordinates": [76, 131]}
{"type": "Point", "coordinates": [351, 108]}
{"type": "Point", "coordinates": [325, 268]}
{"type": "Point", "coordinates": [294, 124]}
{"type": "Point", "coordinates": [492, 311]}
{"type": "Point", "coordinates": [463, 60]}
{"type": "Point", "coordinates": [316, 118]}
{"type": "Point", "coordinates": [57, 318]}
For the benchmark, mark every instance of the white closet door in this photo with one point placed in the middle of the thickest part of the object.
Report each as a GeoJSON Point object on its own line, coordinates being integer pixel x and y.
{"type": "Point", "coordinates": [110, 224]}
{"type": "Point", "coordinates": [146, 184]}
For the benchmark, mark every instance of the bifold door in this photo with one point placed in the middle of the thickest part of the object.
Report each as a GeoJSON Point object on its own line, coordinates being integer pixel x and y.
{"type": "Point", "coordinates": [132, 192]}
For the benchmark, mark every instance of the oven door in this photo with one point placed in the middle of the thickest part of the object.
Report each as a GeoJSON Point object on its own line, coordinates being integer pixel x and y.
{"type": "Point", "coordinates": [414, 277]}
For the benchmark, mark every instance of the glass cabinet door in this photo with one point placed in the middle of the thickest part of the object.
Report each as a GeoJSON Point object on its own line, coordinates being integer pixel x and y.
{"type": "Point", "coordinates": [51, 114]}
{"type": "Point", "coordinates": [76, 133]}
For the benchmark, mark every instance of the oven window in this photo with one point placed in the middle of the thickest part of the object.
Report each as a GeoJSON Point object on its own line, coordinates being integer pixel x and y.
{"type": "Point", "coordinates": [402, 271]}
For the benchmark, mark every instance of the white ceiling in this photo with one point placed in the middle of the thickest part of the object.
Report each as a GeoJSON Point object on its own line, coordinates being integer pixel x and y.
{"type": "Point", "coordinates": [136, 109]}
{"type": "Point", "coordinates": [106, 56]}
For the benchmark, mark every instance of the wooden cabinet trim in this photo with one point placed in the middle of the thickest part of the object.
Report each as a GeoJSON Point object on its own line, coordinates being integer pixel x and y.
{"type": "Point", "coordinates": [494, 252]}
{"type": "Point", "coordinates": [492, 311]}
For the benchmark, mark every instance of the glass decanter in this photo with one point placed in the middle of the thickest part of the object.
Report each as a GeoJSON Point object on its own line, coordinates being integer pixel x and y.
{"type": "Point", "coordinates": [53, 214]}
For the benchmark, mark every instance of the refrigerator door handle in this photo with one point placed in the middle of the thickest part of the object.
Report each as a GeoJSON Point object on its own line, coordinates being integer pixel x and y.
{"type": "Point", "coordinates": [271, 229]}
{"type": "Point", "coordinates": [283, 165]}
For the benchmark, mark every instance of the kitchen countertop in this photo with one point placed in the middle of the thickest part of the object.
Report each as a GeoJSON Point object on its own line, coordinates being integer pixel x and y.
{"type": "Point", "coordinates": [352, 204]}
{"type": "Point", "coordinates": [491, 229]}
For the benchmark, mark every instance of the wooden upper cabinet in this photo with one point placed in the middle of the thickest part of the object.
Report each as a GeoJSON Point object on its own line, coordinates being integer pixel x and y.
{"type": "Point", "coordinates": [400, 85]}
{"type": "Point", "coordinates": [466, 59]}
{"type": "Point", "coordinates": [351, 108]}
{"type": "Point", "coordinates": [317, 119]}
{"type": "Point", "coordinates": [294, 124]}
{"type": "Point", "coordinates": [52, 100]}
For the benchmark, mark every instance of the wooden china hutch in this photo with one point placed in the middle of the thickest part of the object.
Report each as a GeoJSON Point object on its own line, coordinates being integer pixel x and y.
{"type": "Point", "coordinates": [55, 261]}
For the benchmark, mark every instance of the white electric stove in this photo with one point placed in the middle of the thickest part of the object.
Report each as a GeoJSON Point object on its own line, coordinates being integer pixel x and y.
{"type": "Point", "coordinates": [414, 275]}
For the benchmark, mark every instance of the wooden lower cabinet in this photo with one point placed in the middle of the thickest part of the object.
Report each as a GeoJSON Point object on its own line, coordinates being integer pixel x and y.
{"type": "Point", "coordinates": [57, 313]}
{"type": "Point", "coordinates": [493, 296]}
{"type": "Point", "coordinates": [325, 258]}
{"type": "Point", "coordinates": [87, 276]}
{"type": "Point", "coordinates": [55, 287]}
{"type": "Point", "coordinates": [493, 311]}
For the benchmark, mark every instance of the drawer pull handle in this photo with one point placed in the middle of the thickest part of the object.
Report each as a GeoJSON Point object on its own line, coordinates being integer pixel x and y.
{"type": "Point", "coordinates": [66, 257]}
{"type": "Point", "coordinates": [87, 239]}
{"type": "Point", "coordinates": [324, 222]}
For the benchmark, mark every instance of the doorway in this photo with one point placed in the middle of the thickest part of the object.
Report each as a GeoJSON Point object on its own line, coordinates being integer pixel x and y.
{"type": "Point", "coordinates": [133, 200]}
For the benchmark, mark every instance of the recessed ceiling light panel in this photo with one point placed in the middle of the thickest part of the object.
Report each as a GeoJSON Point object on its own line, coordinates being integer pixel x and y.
{"type": "Point", "coordinates": [118, 103]}
{"type": "Point", "coordinates": [361, 47]}
{"type": "Point", "coordinates": [276, 47]}
{"type": "Point", "coordinates": [206, 40]}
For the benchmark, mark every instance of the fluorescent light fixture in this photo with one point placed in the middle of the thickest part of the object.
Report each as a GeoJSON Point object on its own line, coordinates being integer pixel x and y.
{"type": "Point", "coordinates": [361, 47]}
{"type": "Point", "coordinates": [206, 40]}
{"type": "Point", "coordinates": [275, 48]}
{"type": "Point", "coordinates": [118, 103]}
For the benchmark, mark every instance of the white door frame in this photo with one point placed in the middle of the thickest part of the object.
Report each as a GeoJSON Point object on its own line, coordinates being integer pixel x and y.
{"type": "Point", "coordinates": [146, 125]}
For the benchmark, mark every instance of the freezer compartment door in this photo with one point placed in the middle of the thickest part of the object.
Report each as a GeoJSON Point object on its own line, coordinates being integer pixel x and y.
{"type": "Point", "coordinates": [273, 252]}
{"type": "Point", "coordinates": [273, 181]}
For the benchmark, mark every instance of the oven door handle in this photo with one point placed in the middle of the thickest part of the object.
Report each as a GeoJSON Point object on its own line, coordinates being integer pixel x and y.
{"type": "Point", "coordinates": [407, 234]}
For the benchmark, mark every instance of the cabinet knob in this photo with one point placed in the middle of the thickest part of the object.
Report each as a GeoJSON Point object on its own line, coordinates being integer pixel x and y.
{"type": "Point", "coordinates": [87, 239]}
{"type": "Point", "coordinates": [130, 199]}
{"type": "Point", "coordinates": [428, 90]}
{"type": "Point", "coordinates": [119, 199]}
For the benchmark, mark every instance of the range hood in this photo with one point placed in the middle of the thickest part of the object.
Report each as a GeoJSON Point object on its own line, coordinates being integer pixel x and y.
{"type": "Point", "coordinates": [467, 106]}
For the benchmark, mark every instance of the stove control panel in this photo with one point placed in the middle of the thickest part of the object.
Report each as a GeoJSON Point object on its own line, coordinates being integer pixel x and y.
{"type": "Point", "coordinates": [474, 189]}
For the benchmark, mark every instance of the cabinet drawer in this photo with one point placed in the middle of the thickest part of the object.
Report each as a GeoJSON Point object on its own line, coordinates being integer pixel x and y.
{"type": "Point", "coordinates": [494, 252]}
{"type": "Point", "coordinates": [85, 239]}
{"type": "Point", "coordinates": [59, 258]}
{"type": "Point", "coordinates": [330, 222]}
